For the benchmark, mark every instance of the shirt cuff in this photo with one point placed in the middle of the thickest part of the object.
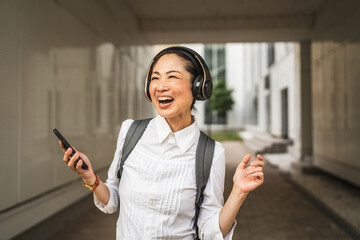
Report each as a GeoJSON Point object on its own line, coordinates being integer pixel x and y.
{"type": "Point", "coordinates": [112, 205]}
{"type": "Point", "coordinates": [212, 230]}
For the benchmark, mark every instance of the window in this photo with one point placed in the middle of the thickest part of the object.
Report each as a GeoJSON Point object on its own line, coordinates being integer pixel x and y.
{"type": "Point", "coordinates": [271, 54]}
{"type": "Point", "coordinates": [267, 82]}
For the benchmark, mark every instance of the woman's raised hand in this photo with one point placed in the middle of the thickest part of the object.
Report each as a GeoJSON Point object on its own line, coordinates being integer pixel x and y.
{"type": "Point", "coordinates": [249, 178]}
{"type": "Point", "coordinates": [87, 175]}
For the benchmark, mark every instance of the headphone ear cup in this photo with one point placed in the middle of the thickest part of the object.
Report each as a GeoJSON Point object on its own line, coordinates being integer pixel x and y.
{"type": "Point", "coordinates": [208, 89]}
{"type": "Point", "coordinates": [197, 88]}
{"type": "Point", "coordinates": [147, 91]}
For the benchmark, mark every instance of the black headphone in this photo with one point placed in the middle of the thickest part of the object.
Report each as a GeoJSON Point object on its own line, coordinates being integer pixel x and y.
{"type": "Point", "coordinates": [202, 86]}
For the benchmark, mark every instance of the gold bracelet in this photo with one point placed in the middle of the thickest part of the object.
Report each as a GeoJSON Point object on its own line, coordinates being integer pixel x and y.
{"type": "Point", "coordinates": [93, 187]}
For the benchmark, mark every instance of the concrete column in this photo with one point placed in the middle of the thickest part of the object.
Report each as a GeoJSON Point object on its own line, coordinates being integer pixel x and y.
{"type": "Point", "coordinates": [303, 55]}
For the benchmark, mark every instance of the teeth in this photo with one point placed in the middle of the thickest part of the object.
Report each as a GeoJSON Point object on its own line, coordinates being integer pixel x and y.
{"type": "Point", "coordinates": [165, 98]}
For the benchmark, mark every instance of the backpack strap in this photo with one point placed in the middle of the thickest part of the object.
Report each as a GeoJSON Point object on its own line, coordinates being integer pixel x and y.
{"type": "Point", "coordinates": [204, 156]}
{"type": "Point", "coordinates": [133, 135]}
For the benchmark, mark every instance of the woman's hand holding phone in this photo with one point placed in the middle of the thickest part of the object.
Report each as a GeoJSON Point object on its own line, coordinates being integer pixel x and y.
{"type": "Point", "coordinates": [80, 164]}
{"type": "Point", "coordinates": [87, 175]}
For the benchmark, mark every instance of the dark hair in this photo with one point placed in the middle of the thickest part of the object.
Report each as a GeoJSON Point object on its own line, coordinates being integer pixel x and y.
{"type": "Point", "coordinates": [189, 66]}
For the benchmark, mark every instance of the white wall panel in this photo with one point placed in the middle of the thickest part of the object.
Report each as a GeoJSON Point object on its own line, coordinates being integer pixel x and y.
{"type": "Point", "coordinates": [235, 80]}
{"type": "Point", "coordinates": [37, 78]}
{"type": "Point", "coordinates": [341, 150]}
{"type": "Point", "coordinates": [353, 104]}
{"type": "Point", "coordinates": [9, 101]}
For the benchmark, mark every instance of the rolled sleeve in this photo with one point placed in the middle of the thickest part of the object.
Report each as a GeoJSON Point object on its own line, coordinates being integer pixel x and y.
{"type": "Point", "coordinates": [113, 203]}
{"type": "Point", "coordinates": [112, 181]}
{"type": "Point", "coordinates": [213, 202]}
{"type": "Point", "coordinates": [212, 230]}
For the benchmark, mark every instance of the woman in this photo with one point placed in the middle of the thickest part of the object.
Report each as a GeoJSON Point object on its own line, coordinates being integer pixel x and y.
{"type": "Point", "coordinates": [155, 196]}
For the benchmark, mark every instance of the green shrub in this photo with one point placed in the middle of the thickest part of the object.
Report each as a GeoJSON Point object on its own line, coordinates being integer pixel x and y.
{"type": "Point", "coordinates": [221, 100]}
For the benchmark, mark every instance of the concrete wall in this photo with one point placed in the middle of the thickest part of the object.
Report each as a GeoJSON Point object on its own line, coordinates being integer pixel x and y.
{"type": "Point", "coordinates": [336, 87]}
{"type": "Point", "coordinates": [58, 72]}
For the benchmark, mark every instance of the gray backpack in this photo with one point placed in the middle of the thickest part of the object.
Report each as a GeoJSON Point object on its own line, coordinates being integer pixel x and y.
{"type": "Point", "coordinates": [204, 157]}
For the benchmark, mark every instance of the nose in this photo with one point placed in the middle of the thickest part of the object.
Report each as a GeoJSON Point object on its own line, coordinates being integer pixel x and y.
{"type": "Point", "coordinates": [162, 85]}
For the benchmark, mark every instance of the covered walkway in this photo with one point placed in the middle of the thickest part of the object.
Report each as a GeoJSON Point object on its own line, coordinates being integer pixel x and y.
{"type": "Point", "coordinates": [93, 55]}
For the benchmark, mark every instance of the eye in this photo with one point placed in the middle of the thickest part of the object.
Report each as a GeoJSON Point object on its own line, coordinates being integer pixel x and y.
{"type": "Point", "coordinates": [154, 78]}
{"type": "Point", "coordinates": [172, 76]}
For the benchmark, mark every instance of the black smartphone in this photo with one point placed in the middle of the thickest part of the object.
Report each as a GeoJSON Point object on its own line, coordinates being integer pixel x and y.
{"type": "Point", "coordinates": [67, 145]}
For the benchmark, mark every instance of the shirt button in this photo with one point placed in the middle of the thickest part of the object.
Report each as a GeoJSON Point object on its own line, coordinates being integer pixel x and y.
{"type": "Point", "coordinates": [147, 228]}
{"type": "Point", "coordinates": [157, 179]}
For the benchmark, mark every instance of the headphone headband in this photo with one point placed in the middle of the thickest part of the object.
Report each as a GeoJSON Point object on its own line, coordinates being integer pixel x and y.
{"type": "Point", "coordinates": [202, 85]}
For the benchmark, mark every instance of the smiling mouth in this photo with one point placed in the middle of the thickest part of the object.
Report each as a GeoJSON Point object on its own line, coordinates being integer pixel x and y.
{"type": "Point", "coordinates": [165, 100]}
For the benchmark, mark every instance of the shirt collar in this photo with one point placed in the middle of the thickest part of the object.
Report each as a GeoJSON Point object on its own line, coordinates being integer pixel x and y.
{"type": "Point", "coordinates": [185, 138]}
{"type": "Point", "coordinates": [162, 127]}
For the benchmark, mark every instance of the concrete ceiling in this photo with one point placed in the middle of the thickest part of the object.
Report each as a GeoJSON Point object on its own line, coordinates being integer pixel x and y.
{"type": "Point", "coordinates": [208, 21]}
{"type": "Point", "coordinates": [182, 9]}
{"type": "Point", "coordinates": [225, 20]}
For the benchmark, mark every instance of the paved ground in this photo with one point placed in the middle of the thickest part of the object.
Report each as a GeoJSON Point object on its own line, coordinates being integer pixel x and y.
{"type": "Point", "coordinates": [336, 196]}
{"type": "Point", "coordinates": [275, 211]}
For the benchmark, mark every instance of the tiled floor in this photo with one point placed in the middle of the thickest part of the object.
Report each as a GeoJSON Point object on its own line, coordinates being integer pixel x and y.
{"type": "Point", "coordinates": [275, 211]}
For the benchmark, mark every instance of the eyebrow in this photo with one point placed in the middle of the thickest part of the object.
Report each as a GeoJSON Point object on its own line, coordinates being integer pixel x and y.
{"type": "Point", "coordinates": [171, 71]}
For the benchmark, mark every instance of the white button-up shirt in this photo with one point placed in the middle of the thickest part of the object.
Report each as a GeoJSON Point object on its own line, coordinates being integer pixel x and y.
{"type": "Point", "coordinates": [156, 194]}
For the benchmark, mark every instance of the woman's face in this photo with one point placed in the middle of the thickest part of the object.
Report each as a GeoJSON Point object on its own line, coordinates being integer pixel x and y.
{"type": "Point", "coordinates": [170, 87]}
